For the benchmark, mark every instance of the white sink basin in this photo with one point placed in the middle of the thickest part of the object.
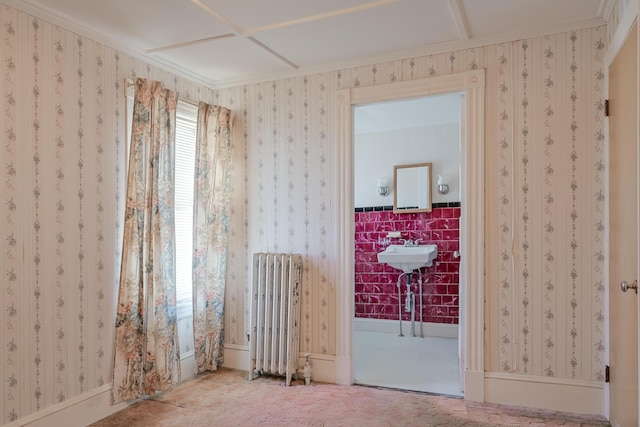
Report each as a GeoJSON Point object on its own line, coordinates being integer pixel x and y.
{"type": "Point", "coordinates": [408, 258]}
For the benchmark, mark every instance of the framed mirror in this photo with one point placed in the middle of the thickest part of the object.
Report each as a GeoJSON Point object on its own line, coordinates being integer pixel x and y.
{"type": "Point", "coordinates": [412, 188]}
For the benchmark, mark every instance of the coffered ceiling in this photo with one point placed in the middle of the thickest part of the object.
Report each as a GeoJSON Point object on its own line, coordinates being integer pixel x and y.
{"type": "Point", "coordinates": [225, 42]}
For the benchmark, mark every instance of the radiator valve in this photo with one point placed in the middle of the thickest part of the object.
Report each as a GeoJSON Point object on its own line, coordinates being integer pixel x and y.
{"type": "Point", "coordinates": [306, 371]}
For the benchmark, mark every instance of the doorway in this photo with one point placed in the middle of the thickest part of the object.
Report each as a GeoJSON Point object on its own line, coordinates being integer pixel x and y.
{"type": "Point", "coordinates": [406, 331]}
{"type": "Point", "coordinates": [471, 329]}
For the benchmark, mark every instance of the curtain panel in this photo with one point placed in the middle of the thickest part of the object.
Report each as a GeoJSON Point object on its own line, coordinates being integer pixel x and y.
{"type": "Point", "coordinates": [212, 185]}
{"type": "Point", "coordinates": [146, 356]}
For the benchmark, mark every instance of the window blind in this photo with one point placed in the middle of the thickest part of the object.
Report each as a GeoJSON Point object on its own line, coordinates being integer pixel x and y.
{"type": "Point", "coordinates": [185, 154]}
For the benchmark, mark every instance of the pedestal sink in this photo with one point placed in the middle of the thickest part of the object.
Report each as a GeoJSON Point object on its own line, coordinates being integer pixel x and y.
{"type": "Point", "coordinates": [408, 258]}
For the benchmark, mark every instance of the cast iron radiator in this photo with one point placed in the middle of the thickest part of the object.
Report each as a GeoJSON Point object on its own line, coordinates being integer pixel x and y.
{"type": "Point", "coordinates": [274, 330]}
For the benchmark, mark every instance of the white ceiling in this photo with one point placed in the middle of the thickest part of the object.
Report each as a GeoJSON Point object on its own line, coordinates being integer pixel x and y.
{"type": "Point", "coordinates": [225, 42]}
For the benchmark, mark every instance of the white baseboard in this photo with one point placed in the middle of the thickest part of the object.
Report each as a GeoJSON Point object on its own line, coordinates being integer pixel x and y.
{"type": "Point", "coordinates": [474, 386]}
{"type": "Point", "coordinates": [343, 371]}
{"type": "Point", "coordinates": [79, 411]}
{"type": "Point", "coordinates": [444, 330]}
{"type": "Point", "coordinates": [322, 365]}
{"type": "Point", "coordinates": [90, 406]}
{"type": "Point", "coordinates": [236, 357]}
{"type": "Point", "coordinates": [586, 397]}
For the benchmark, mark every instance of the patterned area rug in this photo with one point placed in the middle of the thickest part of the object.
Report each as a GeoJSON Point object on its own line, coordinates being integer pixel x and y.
{"type": "Point", "coordinates": [226, 398]}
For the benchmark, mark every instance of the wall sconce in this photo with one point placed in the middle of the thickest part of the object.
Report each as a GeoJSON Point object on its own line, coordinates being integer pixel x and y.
{"type": "Point", "coordinates": [443, 187]}
{"type": "Point", "coordinates": [383, 187]}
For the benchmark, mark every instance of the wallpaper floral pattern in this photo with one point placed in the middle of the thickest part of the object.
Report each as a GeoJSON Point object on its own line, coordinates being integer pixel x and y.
{"type": "Point", "coordinates": [289, 189]}
{"type": "Point", "coordinates": [545, 198]}
{"type": "Point", "coordinates": [63, 162]}
{"type": "Point", "coordinates": [11, 269]}
{"type": "Point", "coordinates": [558, 151]}
{"type": "Point", "coordinates": [62, 167]}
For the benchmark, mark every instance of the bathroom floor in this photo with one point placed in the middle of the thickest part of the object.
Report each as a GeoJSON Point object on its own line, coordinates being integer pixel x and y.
{"type": "Point", "coordinates": [429, 364]}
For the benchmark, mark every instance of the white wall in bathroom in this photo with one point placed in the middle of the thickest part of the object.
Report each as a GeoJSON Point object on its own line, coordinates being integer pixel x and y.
{"type": "Point", "coordinates": [376, 153]}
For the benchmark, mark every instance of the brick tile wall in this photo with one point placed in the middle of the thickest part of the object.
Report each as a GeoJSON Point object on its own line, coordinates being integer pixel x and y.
{"type": "Point", "coordinates": [376, 292]}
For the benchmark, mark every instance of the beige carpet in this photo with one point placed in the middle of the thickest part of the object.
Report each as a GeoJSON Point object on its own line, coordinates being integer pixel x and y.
{"type": "Point", "coordinates": [226, 398]}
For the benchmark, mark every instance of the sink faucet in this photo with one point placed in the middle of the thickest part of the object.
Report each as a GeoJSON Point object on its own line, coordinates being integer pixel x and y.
{"type": "Point", "coordinates": [410, 243]}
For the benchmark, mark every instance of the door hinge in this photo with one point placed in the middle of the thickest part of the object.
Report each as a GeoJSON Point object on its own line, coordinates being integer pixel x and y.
{"type": "Point", "coordinates": [606, 374]}
{"type": "Point", "coordinates": [606, 108]}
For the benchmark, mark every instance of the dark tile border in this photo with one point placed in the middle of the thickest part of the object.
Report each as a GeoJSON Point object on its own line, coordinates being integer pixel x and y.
{"type": "Point", "coordinates": [390, 208]}
{"type": "Point", "coordinates": [374, 209]}
{"type": "Point", "coordinates": [446, 205]}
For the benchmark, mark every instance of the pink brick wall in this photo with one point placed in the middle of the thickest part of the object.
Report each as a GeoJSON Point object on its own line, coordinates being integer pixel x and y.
{"type": "Point", "coordinates": [376, 293]}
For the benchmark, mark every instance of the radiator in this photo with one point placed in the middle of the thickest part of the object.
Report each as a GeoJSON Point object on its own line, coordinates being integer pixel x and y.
{"type": "Point", "coordinates": [274, 331]}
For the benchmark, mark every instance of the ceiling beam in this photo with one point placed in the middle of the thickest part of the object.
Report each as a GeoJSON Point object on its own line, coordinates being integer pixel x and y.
{"type": "Point", "coordinates": [236, 28]}
{"type": "Point", "coordinates": [273, 52]}
{"type": "Point", "coordinates": [239, 31]}
{"type": "Point", "coordinates": [460, 19]}
{"type": "Point", "coordinates": [189, 43]}
{"type": "Point", "coordinates": [321, 16]}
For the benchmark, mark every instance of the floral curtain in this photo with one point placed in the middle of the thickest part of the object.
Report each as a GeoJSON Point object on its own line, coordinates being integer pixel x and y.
{"type": "Point", "coordinates": [147, 355]}
{"type": "Point", "coordinates": [210, 232]}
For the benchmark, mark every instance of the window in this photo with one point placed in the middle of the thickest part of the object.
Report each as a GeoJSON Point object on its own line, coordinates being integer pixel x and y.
{"type": "Point", "coordinates": [185, 154]}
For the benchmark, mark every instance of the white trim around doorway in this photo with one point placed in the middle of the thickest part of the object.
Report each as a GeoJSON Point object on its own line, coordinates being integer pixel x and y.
{"type": "Point", "coordinates": [472, 84]}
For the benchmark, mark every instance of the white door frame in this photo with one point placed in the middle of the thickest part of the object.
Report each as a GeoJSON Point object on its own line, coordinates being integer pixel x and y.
{"type": "Point", "coordinates": [472, 83]}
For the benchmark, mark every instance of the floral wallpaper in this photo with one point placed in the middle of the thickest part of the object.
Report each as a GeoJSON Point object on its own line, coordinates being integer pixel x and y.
{"type": "Point", "coordinates": [544, 199]}
{"type": "Point", "coordinates": [63, 164]}
{"type": "Point", "coordinates": [288, 163]}
{"type": "Point", "coordinates": [62, 180]}
{"type": "Point", "coordinates": [550, 193]}
{"type": "Point", "coordinates": [10, 262]}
